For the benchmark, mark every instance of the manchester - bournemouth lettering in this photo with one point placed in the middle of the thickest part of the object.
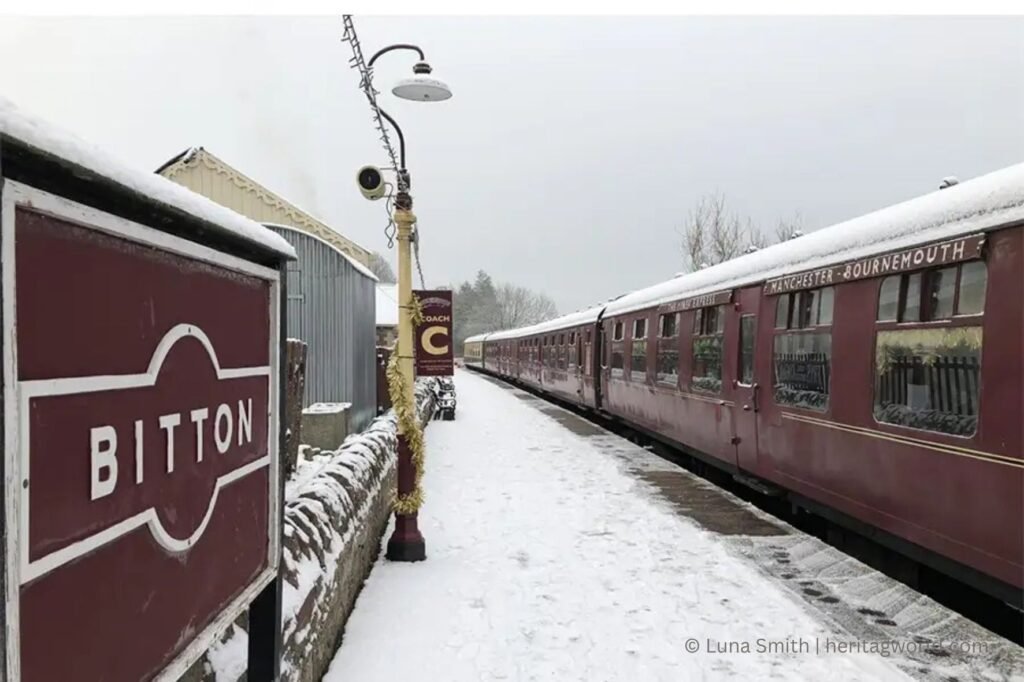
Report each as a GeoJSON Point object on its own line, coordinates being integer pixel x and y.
{"type": "Point", "coordinates": [952, 251]}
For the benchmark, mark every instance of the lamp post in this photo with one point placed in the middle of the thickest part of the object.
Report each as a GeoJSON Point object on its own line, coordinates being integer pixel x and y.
{"type": "Point", "coordinates": [406, 543]}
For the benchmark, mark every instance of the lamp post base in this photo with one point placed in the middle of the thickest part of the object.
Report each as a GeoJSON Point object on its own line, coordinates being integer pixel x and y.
{"type": "Point", "coordinates": [406, 543]}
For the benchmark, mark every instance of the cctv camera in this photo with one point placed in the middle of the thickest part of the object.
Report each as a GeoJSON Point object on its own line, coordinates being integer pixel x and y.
{"type": "Point", "coordinates": [371, 182]}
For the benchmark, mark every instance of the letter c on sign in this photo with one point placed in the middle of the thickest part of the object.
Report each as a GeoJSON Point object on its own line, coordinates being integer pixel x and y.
{"type": "Point", "coordinates": [427, 340]}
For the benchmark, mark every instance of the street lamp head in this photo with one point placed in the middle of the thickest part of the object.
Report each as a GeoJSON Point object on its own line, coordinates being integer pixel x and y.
{"type": "Point", "coordinates": [422, 88]}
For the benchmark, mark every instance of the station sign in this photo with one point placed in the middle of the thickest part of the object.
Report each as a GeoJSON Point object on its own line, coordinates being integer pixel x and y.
{"type": "Point", "coordinates": [435, 355]}
{"type": "Point", "coordinates": [141, 448]}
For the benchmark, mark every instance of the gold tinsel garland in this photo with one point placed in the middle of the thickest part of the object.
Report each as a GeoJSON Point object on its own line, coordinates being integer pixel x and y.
{"type": "Point", "coordinates": [405, 411]}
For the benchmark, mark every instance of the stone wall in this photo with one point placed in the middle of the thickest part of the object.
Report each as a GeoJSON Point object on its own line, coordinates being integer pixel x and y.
{"type": "Point", "coordinates": [337, 507]}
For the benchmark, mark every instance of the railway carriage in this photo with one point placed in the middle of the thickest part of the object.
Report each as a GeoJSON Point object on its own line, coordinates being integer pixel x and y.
{"type": "Point", "coordinates": [871, 371]}
{"type": "Point", "coordinates": [473, 351]}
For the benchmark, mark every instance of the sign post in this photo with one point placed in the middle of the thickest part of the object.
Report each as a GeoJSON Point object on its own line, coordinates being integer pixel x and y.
{"type": "Point", "coordinates": [434, 353]}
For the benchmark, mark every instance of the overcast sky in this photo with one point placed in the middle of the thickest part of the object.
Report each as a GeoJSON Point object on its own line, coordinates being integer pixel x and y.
{"type": "Point", "coordinates": [573, 148]}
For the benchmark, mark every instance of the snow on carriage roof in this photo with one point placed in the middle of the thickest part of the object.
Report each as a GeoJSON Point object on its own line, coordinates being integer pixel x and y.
{"type": "Point", "coordinates": [477, 337]}
{"type": "Point", "coordinates": [984, 203]}
{"type": "Point", "coordinates": [575, 319]}
{"type": "Point", "coordinates": [19, 125]}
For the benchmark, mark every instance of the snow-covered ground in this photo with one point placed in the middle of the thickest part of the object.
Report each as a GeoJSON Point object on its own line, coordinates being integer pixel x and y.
{"type": "Point", "coordinates": [550, 558]}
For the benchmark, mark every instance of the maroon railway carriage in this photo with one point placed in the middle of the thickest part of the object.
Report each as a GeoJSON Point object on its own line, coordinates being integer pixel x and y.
{"type": "Point", "coordinates": [872, 371]}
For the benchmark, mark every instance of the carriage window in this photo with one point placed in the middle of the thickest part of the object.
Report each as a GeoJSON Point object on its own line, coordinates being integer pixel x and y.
{"type": "Point", "coordinates": [826, 306]}
{"type": "Point", "coordinates": [617, 363]}
{"type": "Point", "coordinates": [709, 328]}
{"type": "Point", "coordinates": [941, 290]}
{"type": "Point", "coordinates": [911, 298]}
{"type": "Point", "coordinates": [667, 325]}
{"type": "Point", "coordinates": [782, 312]}
{"type": "Point", "coordinates": [746, 373]}
{"type": "Point", "coordinates": [668, 352]}
{"type": "Point", "coordinates": [973, 278]}
{"type": "Point", "coordinates": [638, 361]}
{"type": "Point", "coordinates": [802, 357]}
{"type": "Point", "coordinates": [572, 337]}
{"type": "Point", "coordinates": [804, 309]}
{"type": "Point", "coordinates": [710, 320]}
{"type": "Point", "coordinates": [802, 369]}
{"type": "Point", "coordinates": [617, 334]}
{"type": "Point", "coordinates": [929, 378]}
{"type": "Point", "coordinates": [933, 295]}
{"type": "Point", "coordinates": [889, 299]}
{"type": "Point", "coordinates": [638, 358]}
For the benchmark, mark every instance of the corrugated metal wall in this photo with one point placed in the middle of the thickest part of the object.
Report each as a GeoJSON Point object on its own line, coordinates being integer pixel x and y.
{"type": "Point", "coordinates": [331, 306]}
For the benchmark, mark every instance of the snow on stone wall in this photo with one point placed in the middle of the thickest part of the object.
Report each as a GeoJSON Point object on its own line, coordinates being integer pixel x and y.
{"type": "Point", "coordinates": [337, 506]}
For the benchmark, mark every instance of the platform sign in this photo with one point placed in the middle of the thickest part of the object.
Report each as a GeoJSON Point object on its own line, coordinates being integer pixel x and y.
{"type": "Point", "coordinates": [433, 336]}
{"type": "Point", "coordinates": [141, 451]}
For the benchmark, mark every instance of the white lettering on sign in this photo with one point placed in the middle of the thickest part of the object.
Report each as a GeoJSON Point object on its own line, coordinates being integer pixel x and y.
{"type": "Point", "coordinates": [947, 252]}
{"type": "Point", "coordinates": [138, 451]}
{"type": "Point", "coordinates": [223, 418]}
{"type": "Point", "coordinates": [245, 421]}
{"type": "Point", "coordinates": [428, 340]}
{"type": "Point", "coordinates": [198, 417]}
{"type": "Point", "coordinates": [167, 423]}
{"type": "Point", "coordinates": [103, 443]}
{"type": "Point", "coordinates": [701, 301]}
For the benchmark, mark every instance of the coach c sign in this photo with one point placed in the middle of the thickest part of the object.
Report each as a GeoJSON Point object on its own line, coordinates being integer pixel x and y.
{"type": "Point", "coordinates": [427, 340]}
{"type": "Point", "coordinates": [434, 356]}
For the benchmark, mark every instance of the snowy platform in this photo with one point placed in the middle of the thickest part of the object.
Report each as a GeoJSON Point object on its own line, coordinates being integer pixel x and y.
{"type": "Point", "coordinates": [558, 551]}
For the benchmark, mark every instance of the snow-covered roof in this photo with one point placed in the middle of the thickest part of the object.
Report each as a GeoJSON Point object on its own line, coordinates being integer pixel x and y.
{"type": "Point", "coordinates": [477, 337]}
{"type": "Point", "coordinates": [70, 149]}
{"type": "Point", "coordinates": [587, 316]}
{"type": "Point", "coordinates": [984, 203]}
{"type": "Point", "coordinates": [387, 305]}
{"type": "Point", "coordinates": [362, 269]}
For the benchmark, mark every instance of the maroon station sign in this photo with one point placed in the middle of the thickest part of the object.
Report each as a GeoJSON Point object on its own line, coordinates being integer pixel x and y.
{"type": "Point", "coordinates": [141, 442]}
{"type": "Point", "coordinates": [433, 336]}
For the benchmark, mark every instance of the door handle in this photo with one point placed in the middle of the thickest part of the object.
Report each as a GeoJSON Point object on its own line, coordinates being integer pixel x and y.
{"type": "Point", "coordinates": [746, 408]}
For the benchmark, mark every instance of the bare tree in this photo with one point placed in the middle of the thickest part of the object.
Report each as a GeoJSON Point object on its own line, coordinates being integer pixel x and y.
{"type": "Point", "coordinates": [714, 235]}
{"type": "Point", "coordinates": [518, 306]}
{"type": "Point", "coordinates": [725, 233]}
{"type": "Point", "coordinates": [756, 239]}
{"type": "Point", "coordinates": [695, 236]}
{"type": "Point", "coordinates": [380, 267]}
{"type": "Point", "coordinates": [789, 229]}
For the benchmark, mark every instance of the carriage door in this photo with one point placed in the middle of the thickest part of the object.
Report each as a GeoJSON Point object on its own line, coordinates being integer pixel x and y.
{"type": "Point", "coordinates": [747, 390]}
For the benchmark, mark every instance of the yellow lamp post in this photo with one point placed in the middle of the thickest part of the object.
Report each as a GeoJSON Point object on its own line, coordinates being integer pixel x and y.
{"type": "Point", "coordinates": [406, 543]}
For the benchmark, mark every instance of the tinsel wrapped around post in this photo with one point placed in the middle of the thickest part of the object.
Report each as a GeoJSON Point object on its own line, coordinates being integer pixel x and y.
{"type": "Point", "coordinates": [405, 411]}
